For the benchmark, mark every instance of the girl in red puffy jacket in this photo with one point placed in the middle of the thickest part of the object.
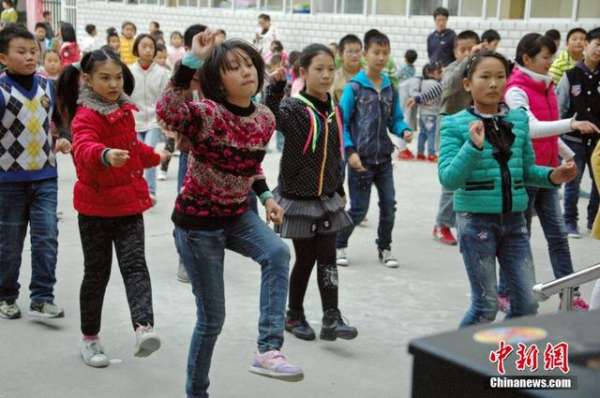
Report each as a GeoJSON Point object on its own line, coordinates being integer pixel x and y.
{"type": "Point", "coordinates": [69, 50]}
{"type": "Point", "coordinates": [110, 194]}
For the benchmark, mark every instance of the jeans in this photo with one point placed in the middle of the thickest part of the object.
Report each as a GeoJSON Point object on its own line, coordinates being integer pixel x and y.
{"type": "Point", "coordinates": [33, 203]}
{"type": "Point", "coordinates": [583, 154]}
{"type": "Point", "coordinates": [203, 253]}
{"type": "Point", "coordinates": [151, 138]}
{"type": "Point", "coordinates": [359, 184]}
{"type": "Point", "coordinates": [483, 238]}
{"type": "Point", "coordinates": [183, 164]}
{"type": "Point", "coordinates": [446, 216]}
{"type": "Point", "coordinates": [427, 129]}
{"type": "Point", "coordinates": [547, 206]}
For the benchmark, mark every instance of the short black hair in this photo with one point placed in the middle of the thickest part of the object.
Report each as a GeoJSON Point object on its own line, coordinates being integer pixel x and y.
{"type": "Point", "coordinates": [139, 39]}
{"type": "Point", "coordinates": [155, 24]}
{"type": "Point", "coordinates": [278, 45]}
{"type": "Point", "coordinates": [532, 44]}
{"type": "Point", "coordinates": [90, 28]}
{"type": "Point", "coordinates": [40, 25]}
{"type": "Point", "coordinates": [112, 31]}
{"type": "Point", "coordinates": [9, 2]}
{"type": "Point", "coordinates": [67, 32]}
{"type": "Point", "coordinates": [222, 31]}
{"type": "Point", "coordinates": [217, 62]}
{"type": "Point", "coordinates": [311, 51]}
{"type": "Point", "coordinates": [160, 48]}
{"type": "Point", "coordinates": [176, 33]}
{"type": "Point", "coordinates": [128, 23]}
{"type": "Point", "coordinates": [441, 11]}
{"type": "Point", "coordinates": [266, 17]}
{"type": "Point", "coordinates": [554, 34]}
{"type": "Point", "coordinates": [410, 56]}
{"type": "Point", "coordinates": [190, 32]}
{"type": "Point", "coordinates": [593, 34]}
{"type": "Point", "coordinates": [347, 40]}
{"type": "Point", "coordinates": [13, 31]}
{"type": "Point", "coordinates": [575, 30]}
{"type": "Point", "coordinates": [476, 59]}
{"type": "Point", "coordinates": [490, 35]}
{"type": "Point", "coordinates": [468, 35]}
{"type": "Point", "coordinates": [429, 68]}
{"type": "Point", "coordinates": [374, 36]}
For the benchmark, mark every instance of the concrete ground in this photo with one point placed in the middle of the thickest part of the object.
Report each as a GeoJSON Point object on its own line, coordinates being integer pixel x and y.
{"type": "Point", "coordinates": [427, 294]}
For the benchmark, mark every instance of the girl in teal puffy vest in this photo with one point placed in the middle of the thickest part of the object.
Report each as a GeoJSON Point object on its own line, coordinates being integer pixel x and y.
{"type": "Point", "coordinates": [486, 157]}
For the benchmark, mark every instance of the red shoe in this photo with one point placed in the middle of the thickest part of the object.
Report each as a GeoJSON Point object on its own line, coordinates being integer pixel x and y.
{"type": "Point", "coordinates": [420, 156]}
{"type": "Point", "coordinates": [432, 158]}
{"type": "Point", "coordinates": [578, 304]}
{"type": "Point", "coordinates": [405, 155]}
{"type": "Point", "coordinates": [444, 235]}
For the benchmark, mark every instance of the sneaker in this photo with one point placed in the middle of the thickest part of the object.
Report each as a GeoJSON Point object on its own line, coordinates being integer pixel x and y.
{"type": "Point", "coordinates": [274, 364]}
{"type": "Point", "coordinates": [296, 324]}
{"type": "Point", "coordinates": [334, 327]}
{"type": "Point", "coordinates": [432, 158]}
{"type": "Point", "coordinates": [182, 275]}
{"type": "Point", "coordinates": [147, 341]}
{"type": "Point", "coordinates": [45, 311]}
{"type": "Point", "coordinates": [161, 175]}
{"type": "Point", "coordinates": [444, 235]}
{"type": "Point", "coordinates": [420, 156]}
{"type": "Point", "coordinates": [341, 259]}
{"type": "Point", "coordinates": [503, 303]}
{"type": "Point", "coordinates": [405, 154]}
{"type": "Point", "coordinates": [579, 304]}
{"type": "Point", "coordinates": [92, 353]}
{"type": "Point", "coordinates": [572, 231]}
{"type": "Point", "coordinates": [9, 310]}
{"type": "Point", "coordinates": [387, 259]}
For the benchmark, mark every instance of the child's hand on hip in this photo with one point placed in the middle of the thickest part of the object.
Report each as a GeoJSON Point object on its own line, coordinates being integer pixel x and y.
{"type": "Point", "coordinates": [274, 211]}
{"type": "Point", "coordinates": [117, 157]}
{"type": "Point", "coordinates": [355, 162]}
{"type": "Point", "coordinates": [477, 133]}
{"type": "Point", "coordinates": [564, 173]}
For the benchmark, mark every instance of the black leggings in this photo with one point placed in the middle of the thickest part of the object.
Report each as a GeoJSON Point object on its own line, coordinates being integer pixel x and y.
{"type": "Point", "coordinates": [320, 249]}
{"type": "Point", "coordinates": [97, 237]}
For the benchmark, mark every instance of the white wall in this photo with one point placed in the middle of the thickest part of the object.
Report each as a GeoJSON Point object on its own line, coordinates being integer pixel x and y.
{"type": "Point", "coordinates": [299, 30]}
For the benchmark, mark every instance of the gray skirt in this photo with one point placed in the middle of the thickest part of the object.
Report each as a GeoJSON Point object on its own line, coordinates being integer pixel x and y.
{"type": "Point", "coordinates": [309, 218]}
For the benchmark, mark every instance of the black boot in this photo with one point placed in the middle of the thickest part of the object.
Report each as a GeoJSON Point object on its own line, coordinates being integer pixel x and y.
{"type": "Point", "coordinates": [334, 327]}
{"type": "Point", "coordinates": [295, 323]}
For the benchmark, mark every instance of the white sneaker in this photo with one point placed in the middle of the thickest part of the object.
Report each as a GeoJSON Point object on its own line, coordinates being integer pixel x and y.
{"type": "Point", "coordinates": [147, 341]}
{"type": "Point", "coordinates": [92, 353]}
{"type": "Point", "coordinates": [341, 259]}
{"type": "Point", "coordinates": [162, 175]}
{"type": "Point", "coordinates": [387, 259]}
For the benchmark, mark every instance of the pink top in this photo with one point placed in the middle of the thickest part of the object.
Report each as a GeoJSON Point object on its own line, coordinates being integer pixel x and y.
{"type": "Point", "coordinates": [175, 54]}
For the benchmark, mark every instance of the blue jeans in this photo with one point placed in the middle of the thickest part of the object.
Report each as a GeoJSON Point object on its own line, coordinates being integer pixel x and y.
{"type": "Point", "coordinates": [583, 154]}
{"type": "Point", "coordinates": [33, 203]}
{"type": "Point", "coordinates": [547, 206]}
{"type": "Point", "coordinates": [359, 184]}
{"type": "Point", "coordinates": [427, 129]}
{"type": "Point", "coordinates": [203, 253]}
{"type": "Point", "coordinates": [446, 216]}
{"type": "Point", "coordinates": [183, 164]}
{"type": "Point", "coordinates": [151, 138]}
{"type": "Point", "coordinates": [483, 238]}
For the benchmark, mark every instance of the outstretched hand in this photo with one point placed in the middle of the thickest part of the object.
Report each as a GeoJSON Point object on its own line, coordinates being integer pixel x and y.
{"type": "Point", "coordinates": [564, 173]}
{"type": "Point", "coordinates": [203, 43]}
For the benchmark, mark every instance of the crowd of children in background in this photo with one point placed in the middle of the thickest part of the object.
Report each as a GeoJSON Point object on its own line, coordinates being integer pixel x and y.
{"type": "Point", "coordinates": [504, 135]}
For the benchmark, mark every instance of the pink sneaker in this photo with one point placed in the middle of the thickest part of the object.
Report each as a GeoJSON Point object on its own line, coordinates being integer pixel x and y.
{"type": "Point", "coordinates": [579, 304]}
{"type": "Point", "coordinates": [273, 364]}
{"type": "Point", "coordinates": [503, 303]}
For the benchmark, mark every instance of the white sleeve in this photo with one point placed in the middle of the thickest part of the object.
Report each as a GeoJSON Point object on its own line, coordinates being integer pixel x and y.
{"type": "Point", "coordinates": [517, 98]}
{"type": "Point", "coordinates": [564, 150]}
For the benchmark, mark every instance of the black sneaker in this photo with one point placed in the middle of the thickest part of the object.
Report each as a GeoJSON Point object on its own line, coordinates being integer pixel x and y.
{"type": "Point", "coordinates": [334, 327]}
{"type": "Point", "coordinates": [296, 324]}
{"type": "Point", "coordinates": [45, 311]}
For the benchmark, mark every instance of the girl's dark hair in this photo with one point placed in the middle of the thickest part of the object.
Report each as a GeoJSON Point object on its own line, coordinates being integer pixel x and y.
{"type": "Point", "coordinates": [139, 39]}
{"type": "Point", "coordinates": [217, 62]}
{"type": "Point", "coordinates": [278, 45]}
{"type": "Point", "coordinates": [554, 34]}
{"type": "Point", "coordinates": [176, 33]}
{"type": "Point", "coordinates": [430, 68]}
{"type": "Point", "coordinates": [67, 32]}
{"type": "Point", "coordinates": [311, 51]}
{"type": "Point", "coordinates": [480, 56]}
{"type": "Point", "coordinates": [112, 31]}
{"type": "Point", "coordinates": [532, 44]}
{"type": "Point", "coordinates": [293, 59]}
{"type": "Point", "coordinates": [111, 34]}
{"type": "Point", "coordinates": [67, 87]}
{"type": "Point", "coordinates": [410, 56]}
{"type": "Point", "coordinates": [160, 47]}
{"type": "Point", "coordinates": [575, 30]}
{"type": "Point", "coordinates": [155, 23]}
{"type": "Point", "coordinates": [90, 28]}
{"type": "Point", "coordinates": [346, 40]}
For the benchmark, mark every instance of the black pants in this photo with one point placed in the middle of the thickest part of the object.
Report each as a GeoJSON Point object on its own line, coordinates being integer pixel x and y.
{"type": "Point", "coordinates": [97, 237]}
{"type": "Point", "coordinates": [320, 249]}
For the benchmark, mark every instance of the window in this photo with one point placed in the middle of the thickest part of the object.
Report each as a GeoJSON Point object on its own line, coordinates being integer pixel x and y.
{"type": "Point", "coordinates": [588, 9]}
{"type": "Point", "coordinates": [221, 3]}
{"type": "Point", "coordinates": [271, 5]}
{"type": "Point", "coordinates": [352, 6]}
{"type": "Point", "coordinates": [424, 7]}
{"type": "Point", "coordinates": [492, 9]}
{"type": "Point", "coordinates": [512, 9]}
{"type": "Point", "coordinates": [326, 6]}
{"type": "Point", "coordinates": [245, 4]}
{"type": "Point", "coordinates": [300, 6]}
{"type": "Point", "coordinates": [391, 7]}
{"type": "Point", "coordinates": [551, 8]}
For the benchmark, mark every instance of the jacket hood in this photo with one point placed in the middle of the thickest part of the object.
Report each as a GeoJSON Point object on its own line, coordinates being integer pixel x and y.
{"type": "Point", "coordinates": [362, 79]}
